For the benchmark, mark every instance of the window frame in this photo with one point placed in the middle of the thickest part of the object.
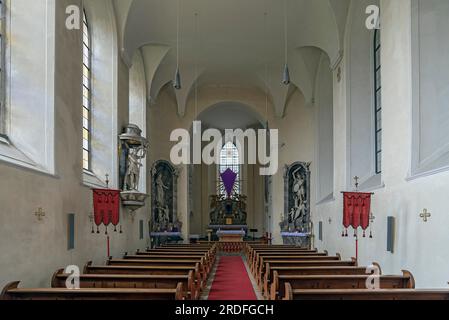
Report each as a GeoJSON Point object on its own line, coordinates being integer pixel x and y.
{"type": "Point", "coordinates": [87, 85]}
{"type": "Point", "coordinates": [377, 101]}
{"type": "Point", "coordinates": [3, 111]}
{"type": "Point", "coordinates": [232, 163]}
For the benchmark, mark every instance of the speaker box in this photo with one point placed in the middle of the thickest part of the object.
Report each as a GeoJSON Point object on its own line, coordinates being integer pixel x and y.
{"type": "Point", "coordinates": [391, 224]}
{"type": "Point", "coordinates": [70, 231]}
{"type": "Point", "coordinates": [141, 229]}
{"type": "Point", "coordinates": [320, 231]}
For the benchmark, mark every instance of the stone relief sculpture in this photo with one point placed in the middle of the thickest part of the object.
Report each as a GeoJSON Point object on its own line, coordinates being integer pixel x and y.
{"type": "Point", "coordinates": [297, 198]}
{"type": "Point", "coordinates": [164, 198]}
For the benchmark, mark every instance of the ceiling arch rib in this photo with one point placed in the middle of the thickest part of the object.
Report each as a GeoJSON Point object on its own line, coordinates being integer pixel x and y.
{"type": "Point", "coordinates": [153, 55]}
{"type": "Point", "coordinates": [232, 49]}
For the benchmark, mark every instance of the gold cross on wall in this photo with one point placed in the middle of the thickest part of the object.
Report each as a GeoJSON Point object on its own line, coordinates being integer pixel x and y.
{"type": "Point", "coordinates": [425, 215]}
{"type": "Point", "coordinates": [40, 213]}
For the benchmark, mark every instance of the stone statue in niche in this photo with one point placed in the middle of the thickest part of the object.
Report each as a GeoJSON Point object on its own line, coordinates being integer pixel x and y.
{"type": "Point", "coordinates": [164, 197]}
{"type": "Point", "coordinates": [297, 198]}
{"type": "Point", "coordinates": [160, 190]}
{"type": "Point", "coordinates": [132, 149]}
{"type": "Point", "coordinates": [132, 176]}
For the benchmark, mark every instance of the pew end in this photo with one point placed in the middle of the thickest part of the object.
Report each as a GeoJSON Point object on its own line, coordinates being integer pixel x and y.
{"type": "Point", "coordinates": [274, 286]}
{"type": "Point", "coordinates": [288, 292]}
{"type": "Point", "coordinates": [179, 295]}
{"type": "Point", "coordinates": [376, 264]}
{"type": "Point", "coordinates": [54, 278]}
{"type": "Point", "coordinates": [86, 266]}
{"type": "Point", "coordinates": [10, 286]}
{"type": "Point", "coordinates": [411, 282]}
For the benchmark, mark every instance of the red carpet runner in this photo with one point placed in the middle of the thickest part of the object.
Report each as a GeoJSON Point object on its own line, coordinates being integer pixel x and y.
{"type": "Point", "coordinates": [231, 281]}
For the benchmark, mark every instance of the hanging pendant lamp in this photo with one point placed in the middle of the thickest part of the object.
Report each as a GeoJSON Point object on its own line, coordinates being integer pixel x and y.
{"type": "Point", "coordinates": [286, 73]}
{"type": "Point", "coordinates": [177, 83]}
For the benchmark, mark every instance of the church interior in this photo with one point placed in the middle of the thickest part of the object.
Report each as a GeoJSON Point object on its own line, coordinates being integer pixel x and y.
{"type": "Point", "coordinates": [224, 149]}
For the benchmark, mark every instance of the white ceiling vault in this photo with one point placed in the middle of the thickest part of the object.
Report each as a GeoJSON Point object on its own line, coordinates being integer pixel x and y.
{"type": "Point", "coordinates": [233, 46]}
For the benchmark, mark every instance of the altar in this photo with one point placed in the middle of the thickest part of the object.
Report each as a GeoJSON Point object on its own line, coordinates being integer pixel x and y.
{"type": "Point", "coordinates": [299, 239]}
{"type": "Point", "coordinates": [228, 215]}
{"type": "Point", "coordinates": [231, 235]}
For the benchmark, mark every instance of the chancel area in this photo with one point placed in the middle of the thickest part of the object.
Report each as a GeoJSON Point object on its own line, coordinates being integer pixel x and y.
{"type": "Point", "coordinates": [224, 150]}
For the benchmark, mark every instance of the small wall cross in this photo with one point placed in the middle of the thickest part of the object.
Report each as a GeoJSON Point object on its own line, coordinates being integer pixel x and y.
{"type": "Point", "coordinates": [425, 215]}
{"type": "Point", "coordinates": [40, 213]}
{"type": "Point", "coordinates": [356, 182]}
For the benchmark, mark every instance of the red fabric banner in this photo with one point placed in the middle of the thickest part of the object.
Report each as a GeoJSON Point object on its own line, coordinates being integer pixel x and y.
{"type": "Point", "coordinates": [356, 209]}
{"type": "Point", "coordinates": [106, 206]}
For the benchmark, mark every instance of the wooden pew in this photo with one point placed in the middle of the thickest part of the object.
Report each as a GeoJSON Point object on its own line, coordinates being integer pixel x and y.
{"type": "Point", "coordinates": [290, 259]}
{"type": "Point", "coordinates": [12, 292]}
{"type": "Point", "coordinates": [251, 249]}
{"type": "Point", "coordinates": [406, 281]}
{"type": "Point", "coordinates": [128, 281]}
{"type": "Point", "coordinates": [255, 254]}
{"type": "Point", "coordinates": [147, 270]}
{"type": "Point", "coordinates": [210, 258]}
{"type": "Point", "coordinates": [211, 253]}
{"type": "Point", "coordinates": [161, 263]}
{"type": "Point", "coordinates": [364, 294]}
{"type": "Point", "coordinates": [201, 258]}
{"type": "Point", "coordinates": [252, 252]}
{"type": "Point", "coordinates": [188, 246]}
{"type": "Point", "coordinates": [310, 270]}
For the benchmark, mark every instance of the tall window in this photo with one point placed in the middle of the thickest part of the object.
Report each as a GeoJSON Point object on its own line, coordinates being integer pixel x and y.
{"type": "Point", "coordinates": [2, 67]}
{"type": "Point", "coordinates": [229, 159]}
{"type": "Point", "coordinates": [378, 101]}
{"type": "Point", "coordinates": [86, 94]}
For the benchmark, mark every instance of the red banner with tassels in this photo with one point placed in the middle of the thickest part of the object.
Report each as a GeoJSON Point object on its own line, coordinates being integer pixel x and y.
{"type": "Point", "coordinates": [356, 210]}
{"type": "Point", "coordinates": [106, 207]}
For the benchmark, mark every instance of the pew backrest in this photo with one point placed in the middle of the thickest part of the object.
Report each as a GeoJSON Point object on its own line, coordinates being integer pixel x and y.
{"type": "Point", "coordinates": [365, 294]}
{"type": "Point", "coordinates": [12, 292]}
{"type": "Point", "coordinates": [404, 281]}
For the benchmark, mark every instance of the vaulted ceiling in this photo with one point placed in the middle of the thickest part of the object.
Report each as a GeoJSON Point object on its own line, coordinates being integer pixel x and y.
{"type": "Point", "coordinates": [237, 42]}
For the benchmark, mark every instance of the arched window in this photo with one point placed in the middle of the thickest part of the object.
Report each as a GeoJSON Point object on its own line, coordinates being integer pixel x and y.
{"type": "Point", "coordinates": [86, 94]}
{"type": "Point", "coordinates": [377, 101]}
{"type": "Point", "coordinates": [229, 159]}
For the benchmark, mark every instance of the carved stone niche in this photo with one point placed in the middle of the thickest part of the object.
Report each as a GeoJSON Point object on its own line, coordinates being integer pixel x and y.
{"type": "Point", "coordinates": [164, 197]}
{"type": "Point", "coordinates": [296, 198]}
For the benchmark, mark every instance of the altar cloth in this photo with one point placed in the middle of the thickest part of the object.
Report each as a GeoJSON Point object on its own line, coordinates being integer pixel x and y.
{"type": "Point", "coordinates": [295, 234]}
